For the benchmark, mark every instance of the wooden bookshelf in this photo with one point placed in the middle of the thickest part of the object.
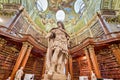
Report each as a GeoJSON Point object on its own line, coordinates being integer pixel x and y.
{"type": "Point", "coordinates": [8, 56]}
{"type": "Point", "coordinates": [84, 69]}
{"type": "Point", "coordinates": [34, 66]}
{"type": "Point", "coordinates": [109, 67]}
{"type": "Point", "coordinates": [76, 71]}
{"type": "Point", "coordinates": [80, 68]}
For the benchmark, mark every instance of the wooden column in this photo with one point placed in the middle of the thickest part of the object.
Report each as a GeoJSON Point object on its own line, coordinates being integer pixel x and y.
{"type": "Point", "coordinates": [94, 60]}
{"type": "Point", "coordinates": [103, 24]}
{"type": "Point", "coordinates": [116, 51]}
{"type": "Point", "coordinates": [25, 59]}
{"type": "Point", "coordinates": [88, 59]}
{"type": "Point", "coordinates": [19, 59]}
{"type": "Point", "coordinates": [70, 67]}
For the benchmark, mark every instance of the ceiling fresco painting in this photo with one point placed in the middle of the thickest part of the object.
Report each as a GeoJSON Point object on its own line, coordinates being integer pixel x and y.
{"type": "Point", "coordinates": [75, 14]}
{"type": "Point", "coordinates": [72, 13]}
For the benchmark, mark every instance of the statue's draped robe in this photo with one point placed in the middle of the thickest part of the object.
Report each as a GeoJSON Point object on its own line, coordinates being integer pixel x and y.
{"type": "Point", "coordinates": [58, 38]}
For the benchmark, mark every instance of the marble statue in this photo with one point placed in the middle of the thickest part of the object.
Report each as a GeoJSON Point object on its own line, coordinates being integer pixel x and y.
{"type": "Point", "coordinates": [57, 52]}
{"type": "Point", "coordinates": [93, 77]}
{"type": "Point", "coordinates": [69, 76]}
{"type": "Point", "coordinates": [19, 74]}
{"type": "Point", "coordinates": [8, 78]}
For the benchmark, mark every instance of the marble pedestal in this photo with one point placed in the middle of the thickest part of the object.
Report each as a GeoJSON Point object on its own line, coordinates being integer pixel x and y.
{"type": "Point", "coordinates": [59, 77]}
{"type": "Point", "coordinates": [55, 76]}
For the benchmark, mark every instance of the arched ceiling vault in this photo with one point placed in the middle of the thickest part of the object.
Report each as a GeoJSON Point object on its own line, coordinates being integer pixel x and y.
{"type": "Point", "coordinates": [77, 12]}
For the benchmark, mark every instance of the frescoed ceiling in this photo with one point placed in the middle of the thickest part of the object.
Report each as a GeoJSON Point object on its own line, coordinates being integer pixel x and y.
{"type": "Point", "coordinates": [77, 12]}
{"type": "Point", "coordinates": [48, 18]}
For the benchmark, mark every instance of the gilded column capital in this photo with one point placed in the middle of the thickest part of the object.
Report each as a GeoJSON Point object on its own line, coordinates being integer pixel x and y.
{"type": "Point", "coordinates": [86, 51]}
{"type": "Point", "coordinates": [85, 48]}
{"type": "Point", "coordinates": [25, 43]}
{"type": "Point", "coordinates": [90, 46]}
{"type": "Point", "coordinates": [28, 44]}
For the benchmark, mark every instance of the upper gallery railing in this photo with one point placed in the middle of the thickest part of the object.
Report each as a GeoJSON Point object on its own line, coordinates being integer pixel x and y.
{"type": "Point", "coordinates": [22, 24]}
{"type": "Point", "coordinates": [93, 31]}
{"type": "Point", "coordinates": [19, 35]}
{"type": "Point", "coordinates": [107, 36]}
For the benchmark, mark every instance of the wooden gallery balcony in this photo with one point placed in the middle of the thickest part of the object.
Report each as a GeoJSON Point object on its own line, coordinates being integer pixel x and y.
{"type": "Point", "coordinates": [99, 54]}
{"type": "Point", "coordinates": [21, 49]}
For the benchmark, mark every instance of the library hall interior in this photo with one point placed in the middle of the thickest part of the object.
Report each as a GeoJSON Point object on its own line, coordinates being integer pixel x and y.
{"type": "Point", "coordinates": [59, 39]}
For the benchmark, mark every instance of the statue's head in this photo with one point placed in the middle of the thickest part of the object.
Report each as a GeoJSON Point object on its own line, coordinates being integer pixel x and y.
{"type": "Point", "coordinates": [92, 72]}
{"type": "Point", "coordinates": [21, 68]}
{"type": "Point", "coordinates": [9, 77]}
{"type": "Point", "coordinates": [60, 24]}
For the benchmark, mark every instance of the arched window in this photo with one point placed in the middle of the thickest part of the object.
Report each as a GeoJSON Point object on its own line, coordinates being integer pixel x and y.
{"type": "Point", "coordinates": [42, 5]}
{"type": "Point", "coordinates": [79, 6]}
{"type": "Point", "coordinates": [60, 15]}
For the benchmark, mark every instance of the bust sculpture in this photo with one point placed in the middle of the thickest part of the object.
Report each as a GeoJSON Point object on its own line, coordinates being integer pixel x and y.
{"type": "Point", "coordinates": [57, 52]}
{"type": "Point", "coordinates": [8, 78]}
{"type": "Point", "coordinates": [93, 77]}
{"type": "Point", "coordinates": [69, 76]}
